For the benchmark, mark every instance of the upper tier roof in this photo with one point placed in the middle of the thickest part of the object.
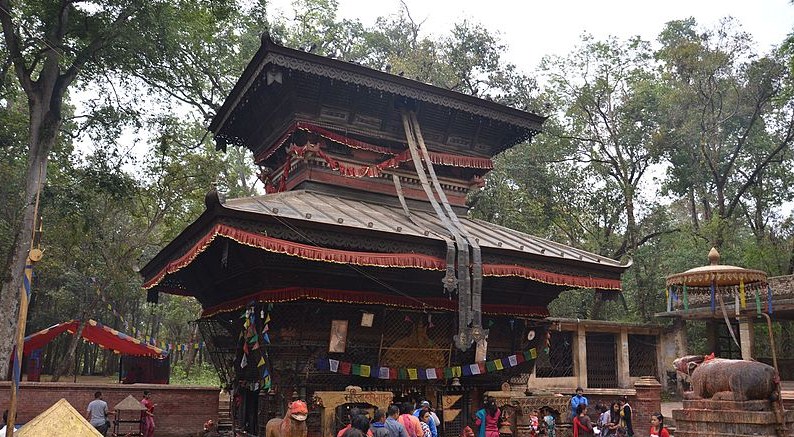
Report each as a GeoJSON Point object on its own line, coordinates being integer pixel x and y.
{"type": "Point", "coordinates": [282, 86]}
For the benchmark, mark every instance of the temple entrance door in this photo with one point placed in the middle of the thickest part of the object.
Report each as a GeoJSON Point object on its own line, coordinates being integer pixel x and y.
{"type": "Point", "coordinates": [330, 402]}
{"type": "Point", "coordinates": [602, 364]}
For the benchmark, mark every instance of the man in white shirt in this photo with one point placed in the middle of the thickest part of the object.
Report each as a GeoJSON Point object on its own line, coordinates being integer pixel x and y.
{"type": "Point", "coordinates": [97, 413]}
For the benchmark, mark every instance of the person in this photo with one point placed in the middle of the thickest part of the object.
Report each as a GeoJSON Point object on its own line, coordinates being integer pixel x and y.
{"type": "Point", "coordinates": [409, 421]}
{"type": "Point", "coordinates": [352, 432]}
{"type": "Point", "coordinates": [610, 421]}
{"type": "Point", "coordinates": [625, 416]}
{"type": "Point", "coordinates": [424, 418]}
{"type": "Point", "coordinates": [378, 425]}
{"type": "Point", "coordinates": [434, 423]}
{"type": "Point", "coordinates": [657, 426]}
{"type": "Point", "coordinates": [396, 429]}
{"type": "Point", "coordinates": [534, 423]}
{"type": "Point", "coordinates": [351, 413]}
{"type": "Point", "coordinates": [487, 419]}
{"type": "Point", "coordinates": [467, 432]}
{"type": "Point", "coordinates": [582, 426]}
{"type": "Point", "coordinates": [147, 415]}
{"type": "Point", "coordinates": [549, 423]}
{"type": "Point", "coordinates": [97, 414]}
{"type": "Point", "coordinates": [361, 423]}
{"type": "Point", "coordinates": [211, 429]}
{"type": "Point", "coordinates": [5, 424]}
{"type": "Point", "coordinates": [576, 400]}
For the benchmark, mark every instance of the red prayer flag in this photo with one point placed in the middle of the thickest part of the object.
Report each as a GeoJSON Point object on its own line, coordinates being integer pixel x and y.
{"type": "Point", "coordinates": [520, 358]}
{"type": "Point", "coordinates": [345, 367]}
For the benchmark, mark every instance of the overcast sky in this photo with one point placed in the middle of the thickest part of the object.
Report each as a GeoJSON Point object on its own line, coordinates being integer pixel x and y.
{"type": "Point", "coordinates": [532, 29]}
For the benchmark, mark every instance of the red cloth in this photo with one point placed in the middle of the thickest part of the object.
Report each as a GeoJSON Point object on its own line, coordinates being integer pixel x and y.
{"type": "Point", "coordinates": [147, 418]}
{"type": "Point", "coordinates": [97, 333]}
{"type": "Point", "coordinates": [662, 433]}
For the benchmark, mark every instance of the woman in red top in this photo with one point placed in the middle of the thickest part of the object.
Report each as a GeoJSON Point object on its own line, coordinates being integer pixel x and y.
{"type": "Point", "coordinates": [657, 426]}
{"type": "Point", "coordinates": [582, 426]}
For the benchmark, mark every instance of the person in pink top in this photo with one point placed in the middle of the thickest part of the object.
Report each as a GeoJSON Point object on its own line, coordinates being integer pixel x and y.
{"type": "Point", "coordinates": [409, 421]}
{"type": "Point", "coordinates": [488, 419]}
{"type": "Point", "coordinates": [147, 416]}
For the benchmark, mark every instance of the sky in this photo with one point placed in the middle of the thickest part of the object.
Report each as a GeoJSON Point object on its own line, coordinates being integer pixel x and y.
{"type": "Point", "coordinates": [532, 29]}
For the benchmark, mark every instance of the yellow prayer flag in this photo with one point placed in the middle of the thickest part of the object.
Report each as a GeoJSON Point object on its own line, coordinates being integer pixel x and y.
{"type": "Point", "coordinates": [365, 370]}
{"type": "Point", "coordinates": [413, 374]}
{"type": "Point", "coordinates": [533, 353]}
{"type": "Point", "coordinates": [498, 364]}
{"type": "Point", "coordinates": [457, 372]}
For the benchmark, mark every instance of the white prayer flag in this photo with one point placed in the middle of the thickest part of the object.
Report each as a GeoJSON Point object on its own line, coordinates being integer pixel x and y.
{"type": "Point", "coordinates": [513, 360]}
{"type": "Point", "coordinates": [334, 364]}
{"type": "Point", "coordinates": [475, 369]}
{"type": "Point", "coordinates": [431, 374]}
{"type": "Point", "coordinates": [383, 373]}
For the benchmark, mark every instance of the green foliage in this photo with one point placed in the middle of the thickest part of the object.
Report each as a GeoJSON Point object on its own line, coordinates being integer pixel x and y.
{"type": "Point", "coordinates": [201, 374]}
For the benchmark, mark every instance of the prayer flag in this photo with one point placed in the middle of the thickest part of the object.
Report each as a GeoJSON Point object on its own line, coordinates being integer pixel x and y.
{"type": "Point", "coordinates": [403, 373]}
{"type": "Point", "coordinates": [357, 369]}
{"type": "Point", "coordinates": [383, 373]}
{"type": "Point", "coordinates": [422, 373]}
{"type": "Point", "coordinates": [261, 362]}
{"type": "Point", "coordinates": [392, 373]}
{"type": "Point", "coordinates": [412, 373]}
{"type": "Point", "coordinates": [431, 374]}
{"type": "Point", "coordinates": [490, 366]}
{"type": "Point", "coordinates": [448, 372]}
{"type": "Point", "coordinates": [365, 370]}
{"type": "Point", "coordinates": [533, 353]}
{"type": "Point", "coordinates": [475, 369]}
{"type": "Point", "coordinates": [333, 365]}
{"type": "Point", "coordinates": [513, 360]}
{"type": "Point", "coordinates": [520, 358]}
{"type": "Point", "coordinates": [345, 367]}
{"type": "Point", "coordinates": [498, 364]}
{"type": "Point", "coordinates": [457, 372]}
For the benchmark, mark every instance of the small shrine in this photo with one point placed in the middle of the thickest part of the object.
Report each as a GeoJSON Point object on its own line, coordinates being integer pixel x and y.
{"type": "Point", "coordinates": [60, 419]}
{"type": "Point", "coordinates": [127, 420]}
{"type": "Point", "coordinates": [359, 266]}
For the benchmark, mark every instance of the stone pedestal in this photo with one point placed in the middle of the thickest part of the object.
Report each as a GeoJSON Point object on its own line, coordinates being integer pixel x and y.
{"type": "Point", "coordinates": [706, 418]}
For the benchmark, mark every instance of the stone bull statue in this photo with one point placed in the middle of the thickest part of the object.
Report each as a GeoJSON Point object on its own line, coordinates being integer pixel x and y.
{"type": "Point", "coordinates": [728, 380]}
{"type": "Point", "coordinates": [292, 425]}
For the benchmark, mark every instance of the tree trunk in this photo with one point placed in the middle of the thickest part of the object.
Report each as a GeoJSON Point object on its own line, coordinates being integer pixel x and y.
{"type": "Point", "coordinates": [68, 360]}
{"type": "Point", "coordinates": [191, 353]}
{"type": "Point", "coordinates": [42, 139]}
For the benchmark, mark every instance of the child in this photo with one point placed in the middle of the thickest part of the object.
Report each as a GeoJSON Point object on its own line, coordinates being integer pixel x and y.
{"type": "Point", "coordinates": [657, 426]}
{"type": "Point", "coordinates": [534, 423]}
{"type": "Point", "coordinates": [549, 422]}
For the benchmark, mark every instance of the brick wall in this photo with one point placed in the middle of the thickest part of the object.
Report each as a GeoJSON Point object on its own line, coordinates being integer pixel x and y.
{"type": "Point", "coordinates": [180, 410]}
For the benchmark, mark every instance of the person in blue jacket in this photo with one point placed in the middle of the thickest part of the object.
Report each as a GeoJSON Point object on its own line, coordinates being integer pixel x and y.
{"type": "Point", "coordinates": [434, 421]}
{"type": "Point", "coordinates": [576, 400]}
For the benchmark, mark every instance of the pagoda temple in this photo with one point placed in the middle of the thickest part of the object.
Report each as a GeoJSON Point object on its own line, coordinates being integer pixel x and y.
{"type": "Point", "coordinates": [359, 272]}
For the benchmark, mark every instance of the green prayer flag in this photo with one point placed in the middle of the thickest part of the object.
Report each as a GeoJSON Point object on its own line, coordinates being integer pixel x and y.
{"type": "Point", "coordinates": [356, 369]}
{"type": "Point", "coordinates": [490, 366]}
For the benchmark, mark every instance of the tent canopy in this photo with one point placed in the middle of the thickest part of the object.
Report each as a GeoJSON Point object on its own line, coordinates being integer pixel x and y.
{"type": "Point", "coordinates": [96, 333]}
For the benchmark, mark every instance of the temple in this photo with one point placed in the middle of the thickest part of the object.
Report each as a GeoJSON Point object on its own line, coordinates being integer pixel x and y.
{"type": "Point", "coordinates": [358, 279]}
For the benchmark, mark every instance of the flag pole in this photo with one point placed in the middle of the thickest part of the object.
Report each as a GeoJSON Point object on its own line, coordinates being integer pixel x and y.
{"type": "Point", "coordinates": [34, 255]}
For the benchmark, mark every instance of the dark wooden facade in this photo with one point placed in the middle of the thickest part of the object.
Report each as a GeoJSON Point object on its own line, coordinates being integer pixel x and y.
{"type": "Point", "coordinates": [347, 229]}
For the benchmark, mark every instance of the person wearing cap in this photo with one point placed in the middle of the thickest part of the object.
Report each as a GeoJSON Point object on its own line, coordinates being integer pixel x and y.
{"type": "Point", "coordinates": [576, 400]}
{"type": "Point", "coordinates": [434, 422]}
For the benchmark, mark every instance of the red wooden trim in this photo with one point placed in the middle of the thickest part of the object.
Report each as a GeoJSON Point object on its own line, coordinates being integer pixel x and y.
{"type": "Point", "coordinates": [549, 277]}
{"type": "Point", "coordinates": [398, 260]}
{"type": "Point", "coordinates": [314, 253]}
{"type": "Point", "coordinates": [292, 294]}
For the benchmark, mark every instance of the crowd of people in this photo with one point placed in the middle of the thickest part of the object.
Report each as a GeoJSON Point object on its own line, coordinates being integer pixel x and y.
{"type": "Point", "coordinates": [614, 420]}
{"type": "Point", "coordinates": [399, 420]}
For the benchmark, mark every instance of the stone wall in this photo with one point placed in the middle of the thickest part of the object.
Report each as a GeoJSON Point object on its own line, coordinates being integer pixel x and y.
{"type": "Point", "coordinates": [180, 411]}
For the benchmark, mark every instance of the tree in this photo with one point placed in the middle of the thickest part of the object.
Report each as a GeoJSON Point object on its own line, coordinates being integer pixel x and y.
{"type": "Point", "coordinates": [728, 124]}
{"type": "Point", "coordinates": [53, 45]}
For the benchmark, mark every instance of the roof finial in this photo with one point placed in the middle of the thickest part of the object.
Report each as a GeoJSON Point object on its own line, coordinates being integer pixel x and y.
{"type": "Point", "coordinates": [714, 256]}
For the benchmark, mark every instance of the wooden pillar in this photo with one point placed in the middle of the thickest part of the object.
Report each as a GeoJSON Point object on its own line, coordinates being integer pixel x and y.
{"type": "Point", "coordinates": [624, 378]}
{"type": "Point", "coordinates": [746, 337]}
{"type": "Point", "coordinates": [711, 336]}
{"type": "Point", "coordinates": [580, 355]}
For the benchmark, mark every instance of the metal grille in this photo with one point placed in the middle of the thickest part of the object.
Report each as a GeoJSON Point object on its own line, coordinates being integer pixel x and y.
{"type": "Point", "coordinates": [221, 346]}
{"type": "Point", "coordinates": [642, 355]}
{"type": "Point", "coordinates": [558, 362]}
{"type": "Point", "coordinates": [601, 359]}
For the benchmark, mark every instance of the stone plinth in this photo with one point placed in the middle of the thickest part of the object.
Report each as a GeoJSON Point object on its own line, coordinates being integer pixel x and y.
{"type": "Point", "coordinates": [706, 418]}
